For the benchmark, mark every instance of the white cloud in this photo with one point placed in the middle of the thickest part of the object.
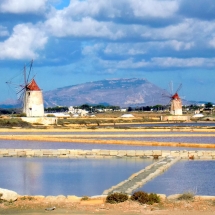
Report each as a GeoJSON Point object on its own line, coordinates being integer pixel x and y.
{"type": "Point", "coordinates": [100, 18]}
{"type": "Point", "coordinates": [177, 45]}
{"type": "Point", "coordinates": [125, 49]}
{"type": "Point", "coordinates": [121, 8]}
{"type": "Point", "coordinates": [212, 42]}
{"type": "Point", "coordinates": [154, 8]}
{"type": "Point", "coordinates": [129, 63]}
{"type": "Point", "coordinates": [22, 6]}
{"type": "Point", "coordinates": [183, 63]}
{"type": "Point", "coordinates": [91, 50]}
{"type": "Point", "coordinates": [159, 62]}
{"type": "Point", "coordinates": [25, 40]}
{"type": "Point", "coordinates": [61, 26]}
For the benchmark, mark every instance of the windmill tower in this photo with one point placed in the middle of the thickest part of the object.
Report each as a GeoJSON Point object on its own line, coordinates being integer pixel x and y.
{"type": "Point", "coordinates": [176, 105]}
{"type": "Point", "coordinates": [32, 96]}
{"type": "Point", "coordinates": [175, 102]}
{"type": "Point", "coordinates": [33, 100]}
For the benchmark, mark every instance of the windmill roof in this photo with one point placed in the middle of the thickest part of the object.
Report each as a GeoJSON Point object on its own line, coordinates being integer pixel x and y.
{"type": "Point", "coordinates": [33, 86]}
{"type": "Point", "coordinates": [175, 96]}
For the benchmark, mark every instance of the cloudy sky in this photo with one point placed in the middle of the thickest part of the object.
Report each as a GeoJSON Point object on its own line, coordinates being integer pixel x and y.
{"type": "Point", "coordinates": [77, 41]}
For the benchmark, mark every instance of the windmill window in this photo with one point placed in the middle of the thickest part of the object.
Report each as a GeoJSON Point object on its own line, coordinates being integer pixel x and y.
{"type": "Point", "coordinates": [29, 93]}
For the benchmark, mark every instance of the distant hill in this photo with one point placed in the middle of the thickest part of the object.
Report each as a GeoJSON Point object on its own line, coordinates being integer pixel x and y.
{"type": "Point", "coordinates": [10, 104]}
{"type": "Point", "coordinates": [120, 92]}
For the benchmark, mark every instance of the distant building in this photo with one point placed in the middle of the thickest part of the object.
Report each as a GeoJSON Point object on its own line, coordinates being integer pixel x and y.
{"type": "Point", "coordinates": [80, 112]}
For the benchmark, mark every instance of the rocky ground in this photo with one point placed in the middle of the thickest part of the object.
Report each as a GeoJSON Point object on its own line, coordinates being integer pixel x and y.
{"type": "Point", "coordinates": [98, 206]}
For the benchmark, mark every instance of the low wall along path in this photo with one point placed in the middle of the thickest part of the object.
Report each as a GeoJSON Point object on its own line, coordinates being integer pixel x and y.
{"type": "Point", "coordinates": [101, 153]}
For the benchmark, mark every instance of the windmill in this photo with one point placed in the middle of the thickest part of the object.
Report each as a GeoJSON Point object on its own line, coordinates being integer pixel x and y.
{"type": "Point", "coordinates": [175, 101]}
{"type": "Point", "coordinates": [30, 95]}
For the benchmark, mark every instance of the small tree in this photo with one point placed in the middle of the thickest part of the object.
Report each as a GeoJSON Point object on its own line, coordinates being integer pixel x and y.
{"type": "Point", "coordinates": [208, 105]}
{"type": "Point", "coordinates": [130, 109]}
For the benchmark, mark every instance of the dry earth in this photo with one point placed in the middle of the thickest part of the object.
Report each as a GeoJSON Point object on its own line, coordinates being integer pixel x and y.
{"type": "Point", "coordinates": [99, 207]}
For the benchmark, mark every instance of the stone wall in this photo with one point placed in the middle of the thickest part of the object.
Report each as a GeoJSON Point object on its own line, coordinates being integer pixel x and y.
{"type": "Point", "coordinates": [102, 153]}
{"type": "Point", "coordinates": [41, 120]}
{"type": "Point", "coordinates": [175, 118]}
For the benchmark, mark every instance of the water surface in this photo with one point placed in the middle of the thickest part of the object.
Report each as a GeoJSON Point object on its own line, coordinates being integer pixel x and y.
{"type": "Point", "coordinates": [24, 144]}
{"type": "Point", "coordinates": [166, 139]}
{"type": "Point", "coordinates": [184, 176]}
{"type": "Point", "coordinates": [53, 176]}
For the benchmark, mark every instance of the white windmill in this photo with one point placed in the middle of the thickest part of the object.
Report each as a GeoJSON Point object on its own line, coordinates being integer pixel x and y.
{"type": "Point", "coordinates": [31, 96]}
{"type": "Point", "coordinates": [175, 101]}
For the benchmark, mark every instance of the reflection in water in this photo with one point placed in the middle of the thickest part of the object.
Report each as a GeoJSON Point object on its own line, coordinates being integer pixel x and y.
{"type": "Point", "coordinates": [184, 176]}
{"type": "Point", "coordinates": [53, 176]}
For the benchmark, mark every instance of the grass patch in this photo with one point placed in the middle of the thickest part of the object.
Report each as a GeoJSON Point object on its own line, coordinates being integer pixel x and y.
{"type": "Point", "coordinates": [85, 198]}
{"type": "Point", "coordinates": [23, 198]}
{"type": "Point", "coordinates": [14, 122]}
{"type": "Point", "coordinates": [186, 196]}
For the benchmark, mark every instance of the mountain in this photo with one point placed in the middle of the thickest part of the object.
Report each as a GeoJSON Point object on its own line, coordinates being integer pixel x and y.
{"type": "Point", "coordinates": [10, 104]}
{"type": "Point", "coordinates": [119, 92]}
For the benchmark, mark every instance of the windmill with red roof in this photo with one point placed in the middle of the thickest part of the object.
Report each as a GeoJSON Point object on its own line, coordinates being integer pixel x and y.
{"type": "Point", "coordinates": [31, 96]}
{"type": "Point", "coordinates": [175, 101]}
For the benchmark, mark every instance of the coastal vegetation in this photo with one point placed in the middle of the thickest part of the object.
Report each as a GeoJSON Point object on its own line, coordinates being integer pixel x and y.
{"type": "Point", "coordinates": [139, 196]}
{"type": "Point", "coordinates": [116, 198]}
{"type": "Point", "coordinates": [187, 196]}
{"type": "Point", "coordinates": [145, 198]}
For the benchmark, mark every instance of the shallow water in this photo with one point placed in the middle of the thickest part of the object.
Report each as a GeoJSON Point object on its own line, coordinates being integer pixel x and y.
{"type": "Point", "coordinates": [24, 144]}
{"type": "Point", "coordinates": [53, 176]}
{"type": "Point", "coordinates": [191, 124]}
{"type": "Point", "coordinates": [167, 139]}
{"type": "Point", "coordinates": [184, 176]}
{"type": "Point", "coordinates": [94, 133]}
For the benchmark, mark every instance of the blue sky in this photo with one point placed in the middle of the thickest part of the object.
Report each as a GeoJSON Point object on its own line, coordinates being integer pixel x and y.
{"type": "Point", "coordinates": [79, 41]}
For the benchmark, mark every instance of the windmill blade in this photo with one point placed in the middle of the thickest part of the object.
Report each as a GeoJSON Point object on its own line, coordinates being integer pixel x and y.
{"type": "Point", "coordinates": [20, 98]}
{"type": "Point", "coordinates": [165, 95]}
{"type": "Point", "coordinates": [180, 86]}
{"type": "Point", "coordinates": [169, 103]}
{"type": "Point", "coordinates": [31, 63]}
{"type": "Point", "coordinates": [21, 90]}
{"type": "Point", "coordinates": [171, 87]}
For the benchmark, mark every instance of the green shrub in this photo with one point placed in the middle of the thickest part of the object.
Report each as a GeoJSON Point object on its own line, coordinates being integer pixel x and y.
{"type": "Point", "coordinates": [116, 198]}
{"type": "Point", "coordinates": [145, 198]}
{"type": "Point", "coordinates": [153, 198]}
{"type": "Point", "coordinates": [186, 196]}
